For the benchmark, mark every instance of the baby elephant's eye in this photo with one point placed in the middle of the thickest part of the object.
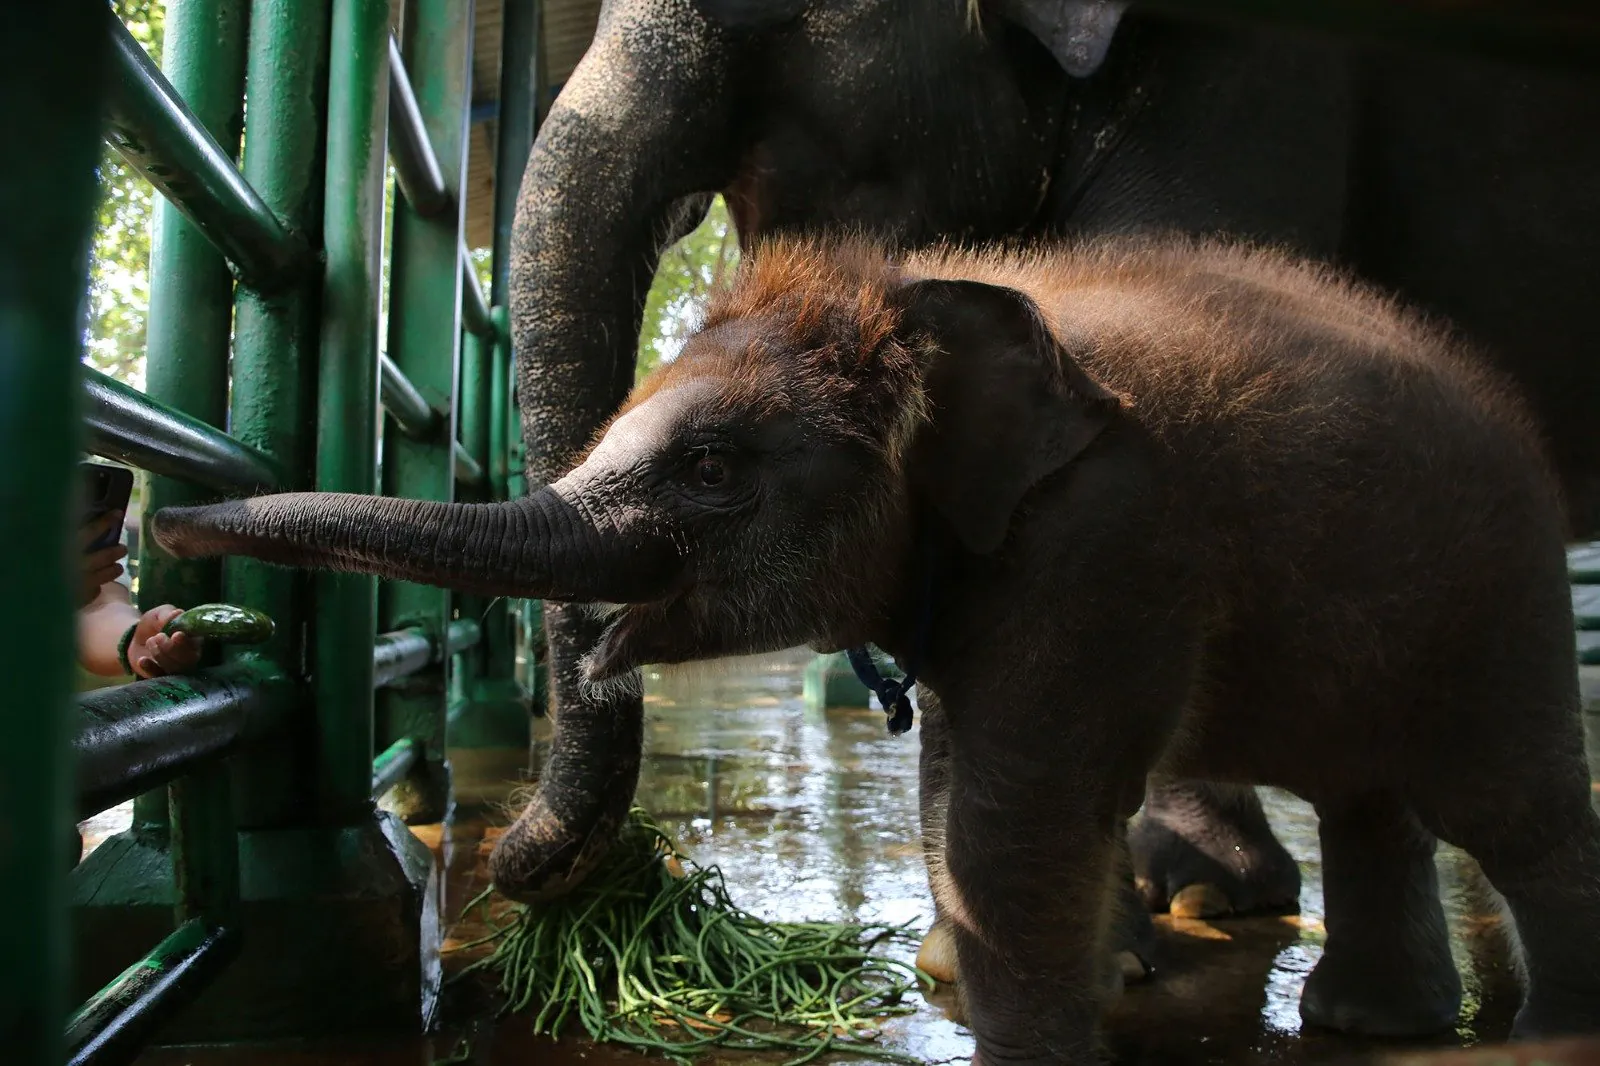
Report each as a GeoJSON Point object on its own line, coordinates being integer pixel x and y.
{"type": "Point", "coordinates": [711, 470]}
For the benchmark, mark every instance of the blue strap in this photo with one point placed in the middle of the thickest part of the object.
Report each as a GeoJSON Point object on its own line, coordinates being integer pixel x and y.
{"type": "Point", "coordinates": [894, 695]}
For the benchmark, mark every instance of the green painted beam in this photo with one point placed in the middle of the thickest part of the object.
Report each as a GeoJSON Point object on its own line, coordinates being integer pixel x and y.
{"type": "Point", "coordinates": [134, 428]}
{"type": "Point", "coordinates": [142, 735]}
{"type": "Point", "coordinates": [52, 65]}
{"type": "Point", "coordinates": [521, 83]}
{"type": "Point", "coordinates": [275, 358]}
{"type": "Point", "coordinates": [162, 138]}
{"type": "Point", "coordinates": [347, 391]}
{"type": "Point", "coordinates": [416, 166]}
{"type": "Point", "coordinates": [186, 368]}
{"type": "Point", "coordinates": [426, 285]}
{"type": "Point", "coordinates": [410, 411]}
{"type": "Point", "coordinates": [113, 1027]}
{"type": "Point", "coordinates": [475, 315]}
{"type": "Point", "coordinates": [394, 763]}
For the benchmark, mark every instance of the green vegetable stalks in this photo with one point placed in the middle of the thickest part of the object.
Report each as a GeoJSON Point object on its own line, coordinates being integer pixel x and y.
{"type": "Point", "coordinates": [222, 622]}
{"type": "Point", "coordinates": [647, 955]}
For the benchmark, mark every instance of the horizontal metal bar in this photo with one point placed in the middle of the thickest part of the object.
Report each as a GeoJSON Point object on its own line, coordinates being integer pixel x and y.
{"type": "Point", "coordinates": [463, 633]}
{"type": "Point", "coordinates": [394, 764]}
{"type": "Point", "coordinates": [1583, 564]}
{"type": "Point", "coordinates": [416, 165]}
{"type": "Point", "coordinates": [405, 651]}
{"type": "Point", "coordinates": [1586, 606]}
{"type": "Point", "coordinates": [126, 425]}
{"type": "Point", "coordinates": [475, 315]}
{"type": "Point", "coordinates": [153, 129]}
{"type": "Point", "coordinates": [133, 738]}
{"type": "Point", "coordinates": [468, 472]}
{"type": "Point", "coordinates": [400, 654]}
{"type": "Point", "coordinates": [1589, 648]}
{"type": "Point", "coordinates": [114, 1026]}
{"type": "Point", "coordinates": [410, 410]}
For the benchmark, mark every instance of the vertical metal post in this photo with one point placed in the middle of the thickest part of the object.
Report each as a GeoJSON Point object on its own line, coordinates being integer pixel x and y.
{"type": "Point", "coordinates": [191, 316]}
{"type": "Point", "coordinates": [345, 617]}
{"type": "Point", "coordinates": [521, 86]}
{"type": "Point", "coordinates": [500, 414]}
{"type": "Point", "coordinates": [52, 68]}
{"type": "Point", "coordinates": [499, 637]}
{"type": "Point", "coordinates": [275, 355]}
{"type": "Point", "coordinates": [425, 287]}
{"type": "Point", "coordinates": [522, 81]}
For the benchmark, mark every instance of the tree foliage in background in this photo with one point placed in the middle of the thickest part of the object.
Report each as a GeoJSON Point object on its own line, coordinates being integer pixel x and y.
{"type": "Point", "coordinates": [119, 265]}
{"type": "Point", "coordinates": [685, 275]}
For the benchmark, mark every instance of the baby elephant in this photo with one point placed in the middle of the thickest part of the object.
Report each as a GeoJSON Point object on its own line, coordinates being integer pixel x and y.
{"type": "Point", "coordinates": [1125, 508]}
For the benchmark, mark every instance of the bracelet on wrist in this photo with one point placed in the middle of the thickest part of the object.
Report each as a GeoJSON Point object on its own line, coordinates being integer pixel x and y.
{"type": "Point", "coordinates": [122, 649]}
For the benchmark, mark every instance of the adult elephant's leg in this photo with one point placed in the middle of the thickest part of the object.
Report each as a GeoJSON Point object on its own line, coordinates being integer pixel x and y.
{"type": "Point", "coordinates": [1386, 968]}
{"type": "Point", "coordinates": [1202, 849]}
{"type": "Point", "coordinates": [937, 956]}
{"type": "Point", "coordinates": [622, 166]}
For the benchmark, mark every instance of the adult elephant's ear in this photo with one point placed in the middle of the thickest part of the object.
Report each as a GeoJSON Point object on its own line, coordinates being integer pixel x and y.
{"type": "Point", "coordinates": [1077, 32]}
{"type": "Point", "coordinates": [1008, 404]}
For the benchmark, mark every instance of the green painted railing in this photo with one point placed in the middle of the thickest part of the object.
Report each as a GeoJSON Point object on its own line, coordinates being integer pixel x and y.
{"type": "Point", "coordinates": [265, 283]}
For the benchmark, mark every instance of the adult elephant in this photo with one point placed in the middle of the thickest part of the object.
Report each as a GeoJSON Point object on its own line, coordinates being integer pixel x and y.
{"type": "Point", "coordinates": [1471, 187]}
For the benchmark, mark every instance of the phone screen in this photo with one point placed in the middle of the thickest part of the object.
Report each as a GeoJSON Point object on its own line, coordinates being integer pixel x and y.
{"type": "Point", "coordinates": [107, 488]}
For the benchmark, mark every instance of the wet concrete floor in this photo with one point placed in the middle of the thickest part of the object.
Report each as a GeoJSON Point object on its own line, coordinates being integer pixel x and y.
{"type": "Point", "coordinates": [814, 815]}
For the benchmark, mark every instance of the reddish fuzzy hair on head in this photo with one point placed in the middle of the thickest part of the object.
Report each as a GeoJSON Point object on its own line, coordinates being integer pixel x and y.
{"type": "Point", "coordinates": [809, 323]}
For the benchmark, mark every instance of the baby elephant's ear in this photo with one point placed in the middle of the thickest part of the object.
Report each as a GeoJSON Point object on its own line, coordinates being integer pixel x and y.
{"type": "Point", "coordinates": [1008, 404]}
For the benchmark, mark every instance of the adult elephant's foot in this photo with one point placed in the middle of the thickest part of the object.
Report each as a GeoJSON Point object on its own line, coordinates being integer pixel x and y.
{"type": "Point", "coordinates": [937, 956]}
{"type": "Point", "coordinates": [1203, 850]}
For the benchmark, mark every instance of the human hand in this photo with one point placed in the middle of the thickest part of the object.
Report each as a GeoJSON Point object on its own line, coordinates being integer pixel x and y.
{"type": "Point", "coordinates": [98, 567]}
{"type": "Point", "coordinates": [153, 653]}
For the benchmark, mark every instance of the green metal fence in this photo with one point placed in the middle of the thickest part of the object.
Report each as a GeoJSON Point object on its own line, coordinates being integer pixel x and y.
{"type": "Point", "coordinates": [260, 875]}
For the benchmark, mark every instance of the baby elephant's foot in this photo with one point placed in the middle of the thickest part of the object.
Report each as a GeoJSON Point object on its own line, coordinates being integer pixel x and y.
{"type": "Point", "coordinates": [1198, 855]}
{"type": "Point", "coordinates": [937, 959]}
{"type": "Point", "coordinates": [1384, 997]}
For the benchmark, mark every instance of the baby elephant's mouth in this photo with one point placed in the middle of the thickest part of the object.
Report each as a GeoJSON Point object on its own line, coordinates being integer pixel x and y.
{"type": "Point", "coordinates": [640, 633]}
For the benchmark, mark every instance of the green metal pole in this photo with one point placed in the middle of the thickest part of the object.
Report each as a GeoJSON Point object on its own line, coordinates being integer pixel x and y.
{"type": "Point", "coordinates": [499, 658]}
{"type": "Point", "coordinates": [521, 88]}
{"type": "Point", "coordinates": [52, 66]}
{"type": "Point", "coordinates": [500, 413]}
{"type": "Point", "coordinates": [275, 355]}
{"type": "Point", "coordinates": [186, 367]}
{"type": "Point", "coordinates": [345, 617]}
{"type": "Point", "coordinates": [425, 287]}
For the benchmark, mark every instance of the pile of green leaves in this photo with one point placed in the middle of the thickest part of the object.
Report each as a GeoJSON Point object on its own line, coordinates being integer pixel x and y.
{"type": "Point", "coordinates": [650, 951]}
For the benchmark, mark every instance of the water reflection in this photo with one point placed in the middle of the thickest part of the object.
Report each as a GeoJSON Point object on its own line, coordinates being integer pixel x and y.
{"type": "Point", "coordinates": [814, 815]}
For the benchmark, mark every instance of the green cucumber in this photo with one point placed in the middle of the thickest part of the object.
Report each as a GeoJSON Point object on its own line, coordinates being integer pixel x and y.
{"type": "Point", "coordinates": [223, 622]}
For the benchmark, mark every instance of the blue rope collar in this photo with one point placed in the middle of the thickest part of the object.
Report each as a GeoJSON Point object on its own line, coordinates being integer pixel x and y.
{"type": "Point", "coordinates": [894, 694]}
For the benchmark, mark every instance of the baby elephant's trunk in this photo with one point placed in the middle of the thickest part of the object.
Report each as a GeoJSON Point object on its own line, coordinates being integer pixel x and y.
{"type": "Point", "coordinates": [540, 547]}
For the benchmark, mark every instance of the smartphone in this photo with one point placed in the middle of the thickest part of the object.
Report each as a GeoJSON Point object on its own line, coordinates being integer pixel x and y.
{"type": "Point", "coordinates": [106, 488]}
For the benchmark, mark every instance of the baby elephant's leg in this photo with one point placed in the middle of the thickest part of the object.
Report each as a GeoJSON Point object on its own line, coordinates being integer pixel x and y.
{"type": "Point", "coordinates": [1028, 904]}
{"type": "Point", "coordinates": [937, 956]}
{"type": "Point", "coordinates": [1201, 850]}
{"type": "Point", "coordinates": [1386, 969]}
{"type": "Point", "coordinates": [1539, 844]}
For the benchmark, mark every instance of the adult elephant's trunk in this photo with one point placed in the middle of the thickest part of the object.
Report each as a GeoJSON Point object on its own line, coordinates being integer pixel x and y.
{"type": "Point", "coordinates": [624, 164]}
{"type": "Point", "coordinates": [538, 546]}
